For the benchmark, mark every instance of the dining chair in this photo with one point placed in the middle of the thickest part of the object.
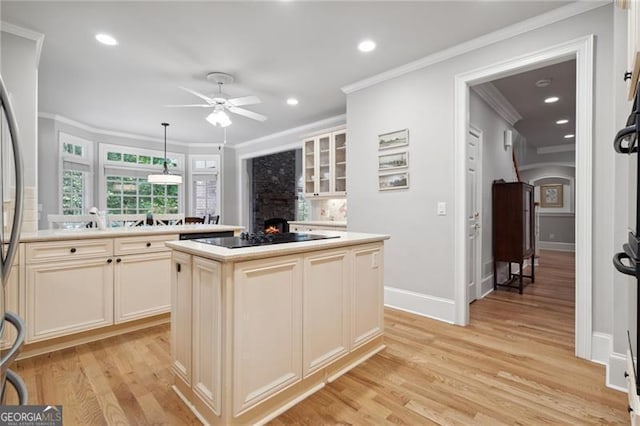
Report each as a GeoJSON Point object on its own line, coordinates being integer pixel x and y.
{"type": "Point", "coordinates": [212, 219]}
{"type": "Point", "coordinates": [126, 220]}
{"type": "Point", "coordinates": [70, 221]}
{"type": "Point", "coordinates": [193, 219]}
{"type": "Point", "coordinates": [168, 219]}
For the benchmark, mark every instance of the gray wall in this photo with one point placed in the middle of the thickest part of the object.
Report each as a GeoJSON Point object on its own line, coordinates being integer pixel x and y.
{"type": "Point", "coordinates": [423, 102]}
{"type": "Point", "coordinates": [496, 164]}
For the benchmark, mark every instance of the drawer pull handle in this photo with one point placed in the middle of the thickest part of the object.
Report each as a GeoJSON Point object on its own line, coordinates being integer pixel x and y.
{"type": "Point", "coordinates": [148, 244]}
{"type": "Point", "coordinates": [626, 374]}
{"type": "Point", "coordinates": [118, 260]}
{"type": "Point", "coordinates": [73, 250]}
{"type": "Point", "coordinates": [178, 267]}
{"type": "Point", "coordinates": [109, 260]}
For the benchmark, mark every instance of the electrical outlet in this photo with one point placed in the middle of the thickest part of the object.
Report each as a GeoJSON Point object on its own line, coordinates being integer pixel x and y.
{"type": "Point", "coordinates": [552, 236]}
{"type": "Point", "coordinates": [442, 208]}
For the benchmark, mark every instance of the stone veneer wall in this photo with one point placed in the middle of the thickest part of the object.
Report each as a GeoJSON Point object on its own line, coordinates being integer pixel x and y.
{"type": "Point", "coordinates": [274, 187]}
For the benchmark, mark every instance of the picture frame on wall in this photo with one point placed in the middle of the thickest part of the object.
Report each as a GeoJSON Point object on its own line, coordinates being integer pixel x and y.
{"type": "Point", "coordinates": [396, 160]}
{"type": "Point", "coordinates": [551, 195]}
{"type": "Point", "coordinates": [394, 139]}
{"type": "Point", "coordinates": [390, 181]}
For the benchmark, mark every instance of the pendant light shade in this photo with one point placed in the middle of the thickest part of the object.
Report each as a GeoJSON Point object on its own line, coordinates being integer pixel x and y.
{"type": "Point", "coordinates": [165, 178]}
{"type": "Point", "coordinates": [219, 118]}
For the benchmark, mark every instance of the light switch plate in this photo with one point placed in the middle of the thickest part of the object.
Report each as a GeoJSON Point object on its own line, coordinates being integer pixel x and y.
{"type": "Point", "coordinates": [442, 208]}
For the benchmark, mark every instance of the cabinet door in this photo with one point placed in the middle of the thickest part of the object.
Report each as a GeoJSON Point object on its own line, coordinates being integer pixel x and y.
{"type": "Point", "coordinates": [324, 164]}
{"type": "Point", "coordinates": [339, 159]}
{"type": "Point", "coordinates": [367, 316]}
{"type": "Point", "coordinates": [181, 315]}
{"type": "Point", "coordinates": [207, 332]}
{"type": "Point", "coordinates": [12, 303]}
{"type": "Point", "coordinates": [267, 322]}
{"type": "Point", "coordinates": [142, 285]}
{"type": "Point", "coordinates": [325, 309]}
{"type": "Point", "coordinates": [67, 297]}
{"type": "Point", "coordinates": [310, 167]}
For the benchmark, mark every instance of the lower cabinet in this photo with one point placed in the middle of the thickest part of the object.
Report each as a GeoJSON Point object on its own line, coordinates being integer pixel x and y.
{"type": "Point", "coordinates": [367, 304]}
{"type": "Point", "coordinates": [267, 329]}
{"type": "Point", "coordinates": [141, 285]}
{"type": "Point", "coordinates": [181, 297]}
{"type": "Point", "coordinates": [12, 303]}
{"type": "Point", "coordinates": [68, 297]}
{"type": "Point", "coordinates": [326, 286]}
{"type": "Point", "coordinates": [206, 332]}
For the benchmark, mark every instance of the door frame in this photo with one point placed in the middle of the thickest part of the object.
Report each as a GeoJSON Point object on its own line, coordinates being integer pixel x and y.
{"type": "Point", "coordinates": [582, 50]}
{"type": "Point", "coordinates": [478, 239]}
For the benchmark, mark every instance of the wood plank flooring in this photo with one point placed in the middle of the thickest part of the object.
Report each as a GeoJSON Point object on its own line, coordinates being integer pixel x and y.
{"type": "Point", "coordinates": [513, 364]}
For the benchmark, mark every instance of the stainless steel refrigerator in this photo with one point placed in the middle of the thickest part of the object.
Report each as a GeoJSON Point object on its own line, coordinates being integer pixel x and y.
{"type": "Point", "coordinates": [11, 206]}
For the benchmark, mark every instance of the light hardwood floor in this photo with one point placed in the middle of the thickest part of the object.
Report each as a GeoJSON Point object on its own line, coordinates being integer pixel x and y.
{"type": "Point", "coordinates": [513, 364]}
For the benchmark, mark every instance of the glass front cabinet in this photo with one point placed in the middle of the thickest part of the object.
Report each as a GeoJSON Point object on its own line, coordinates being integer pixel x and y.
{"type": "Point", "coordinates": [325, 165]}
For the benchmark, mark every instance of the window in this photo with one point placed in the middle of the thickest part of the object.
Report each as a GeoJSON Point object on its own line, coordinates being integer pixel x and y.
{"type": "Point", "coordinates": [76, 173]}
{"type": "Point", "coordinates": [205, 197]}
{"type": "Point", "coordinates": [124, 181]}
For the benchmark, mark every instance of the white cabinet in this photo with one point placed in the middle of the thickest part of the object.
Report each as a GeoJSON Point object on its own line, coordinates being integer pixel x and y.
{"type": "Point", "coordinates": [311, 228]}
{"type": "Point", "coordinates": [367, 314]}
{"type": "Point", "coordinates": [181, 294]}
{"type": "Point", "coordinates": [142, 285]}
{"type": "Point", "coordinates": [206, 334]}
{"type": "Point", "coordinates": [633, 42]}
{"type": "Point", "coordinates": [12, 303]}
{"type": "Point", "coordinates": [326, 288]}
{"type": "Point", "coordinates": [267, 321]}
{"type": "Point", "coordinates": [68, 296]}
{"type": "Point", "coordinates": [325, 164]}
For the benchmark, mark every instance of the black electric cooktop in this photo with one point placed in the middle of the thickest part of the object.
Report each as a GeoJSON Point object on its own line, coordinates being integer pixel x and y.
{"type": "Point", "coordinates": [260, 239]}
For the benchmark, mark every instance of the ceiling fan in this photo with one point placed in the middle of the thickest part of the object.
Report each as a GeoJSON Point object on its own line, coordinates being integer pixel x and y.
{"type": "Point", "coordinates": [221, 102]}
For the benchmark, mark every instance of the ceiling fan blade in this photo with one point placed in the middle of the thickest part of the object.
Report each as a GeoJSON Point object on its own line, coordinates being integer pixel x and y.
{"type": "Point", "coordinates": [193, 105]}
{"type": "Point", "coordinates": [200, 95]}
{"type": "Point", "coordinates": [246, 100]}
{"type": "Point", "coordinates": [247, 113]}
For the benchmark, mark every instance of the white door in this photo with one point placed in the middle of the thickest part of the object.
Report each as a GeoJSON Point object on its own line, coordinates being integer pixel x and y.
{"type": "Point", "coordinates": [473, 215]}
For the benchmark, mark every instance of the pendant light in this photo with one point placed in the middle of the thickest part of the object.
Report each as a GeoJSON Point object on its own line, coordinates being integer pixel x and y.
{"type": "Point", "coordinates": [166, 177]}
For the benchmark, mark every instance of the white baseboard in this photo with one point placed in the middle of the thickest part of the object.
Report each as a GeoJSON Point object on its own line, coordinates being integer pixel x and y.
{"type": "Point", "coordinates": [486, 286]}
{"type": "Point", "coordinates": [420, 304]}
{"type": "Point", "coordinates": [616, 368]}
{"type": "Point", "coordinates": [551, 245]}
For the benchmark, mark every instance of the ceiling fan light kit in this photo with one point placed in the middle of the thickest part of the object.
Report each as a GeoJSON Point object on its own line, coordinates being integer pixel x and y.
{"type": "Point", "coordinates": [221, 102]}
{"type": "Point", "coordinates": [165, 177]}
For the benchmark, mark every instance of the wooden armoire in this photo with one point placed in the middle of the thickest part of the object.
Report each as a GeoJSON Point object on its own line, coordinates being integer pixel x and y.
{"type": "Point", "coordinates": [513, 231]}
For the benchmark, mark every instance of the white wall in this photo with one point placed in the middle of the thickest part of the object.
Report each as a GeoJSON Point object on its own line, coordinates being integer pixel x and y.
{"type": "Point", "coordinates": [422, 101]}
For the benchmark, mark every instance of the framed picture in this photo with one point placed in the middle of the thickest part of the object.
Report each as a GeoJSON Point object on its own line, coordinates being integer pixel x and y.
{"type": "Point", "coordinates": [393, 161]}
{"type": "Point", "coordinates": [393, 139]}
{"type": "Point", "coordinates": [398, 180]}
{"type": "Point", "coordinates": [551, 195]}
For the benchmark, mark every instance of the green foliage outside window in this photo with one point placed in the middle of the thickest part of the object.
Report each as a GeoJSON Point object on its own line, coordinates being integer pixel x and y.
{"type": "Point", "coordinates": [131, 195]}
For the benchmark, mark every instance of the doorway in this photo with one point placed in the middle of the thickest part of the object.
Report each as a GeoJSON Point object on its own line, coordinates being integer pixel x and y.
{"type": "Point", "coordinates": [582, 50]}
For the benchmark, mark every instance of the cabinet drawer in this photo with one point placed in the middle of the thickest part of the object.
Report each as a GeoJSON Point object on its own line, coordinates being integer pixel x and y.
{"type": "Point", "coordinates": [148, 244]}
{"type": "Point", "coordinates": [68, 250]}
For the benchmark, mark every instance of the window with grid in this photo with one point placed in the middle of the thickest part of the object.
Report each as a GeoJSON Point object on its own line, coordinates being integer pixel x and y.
{"type": "Point", "coordinates": [204, 185]}
{"type": "Point", "coordinates": [76, 165]}
{"type": "Point", "coordinates": [124, 179]}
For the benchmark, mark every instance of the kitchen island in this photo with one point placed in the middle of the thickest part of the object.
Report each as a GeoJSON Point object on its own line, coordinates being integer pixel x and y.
{"type": "Point", "coordinates": [256, 330]}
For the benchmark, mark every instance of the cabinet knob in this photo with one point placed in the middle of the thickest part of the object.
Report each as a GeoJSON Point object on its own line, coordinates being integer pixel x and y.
{"type": "Point", "coordinates": [178, 267]}
{"type": "Point", "coordinates": [627, 75]}
{"type": "Point", "coordinates": [118, 260]}
{"type": "Point", "coordinates": [148, 244]}
{"type": "Point", "coordinates": [73, 250]}
{"type": "Point", "coordinates": [626, 374]}
{"type": "Point", "coordinates": [109, 260]}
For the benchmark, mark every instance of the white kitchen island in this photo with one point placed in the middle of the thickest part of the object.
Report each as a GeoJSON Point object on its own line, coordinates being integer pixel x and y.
{"type": "Point", "coordinates": [256, 330]}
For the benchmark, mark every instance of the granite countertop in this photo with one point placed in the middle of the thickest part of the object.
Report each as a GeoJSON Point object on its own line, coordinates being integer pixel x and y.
{"type": "Point", "coordinates": [224, 254]}
{"type": "Point", "coordinates": [336, 223]}
{"type": "Point", "coordinates": [81, 233]}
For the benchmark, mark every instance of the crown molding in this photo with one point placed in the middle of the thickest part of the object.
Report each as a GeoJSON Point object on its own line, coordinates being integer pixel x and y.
{"type": "Point", "coordinates": [543, 165]}
{"type": "Point", "coordinates": [305, 128]}
{"type": "Point", "coordinates": [95, 130]}
{"type": "Point", "coordinates": [556, 148]}
{"type": "Point", "coordinates": [25, 33]}
{"type": "Point", "coordinates": [548, 18]}
{"type": "Point", "coordinates": [496, 100]}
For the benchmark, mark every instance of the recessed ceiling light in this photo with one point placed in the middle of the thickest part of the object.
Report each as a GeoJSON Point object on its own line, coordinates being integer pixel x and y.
{"type": "Point", "coordinates": [563, 121]}
{"type": "Point", "coordinates": [543, 83]}
{"type": "Point", "coordinates": [569, 136]}
{"type": "Point", "coordinates": [292, 101]}
{"type": "Point", "coordinates": [366, 46]}
{"type": "Point", "coordinates": [106, 39]}
{"type": "Point", "coordinates": [551, 100]}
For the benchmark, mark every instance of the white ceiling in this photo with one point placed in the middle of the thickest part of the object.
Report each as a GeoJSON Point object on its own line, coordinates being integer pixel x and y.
{"type": "Point", "coordinates": [538, 123]}
{"type": "Point", "coordinates": [274, 49]}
